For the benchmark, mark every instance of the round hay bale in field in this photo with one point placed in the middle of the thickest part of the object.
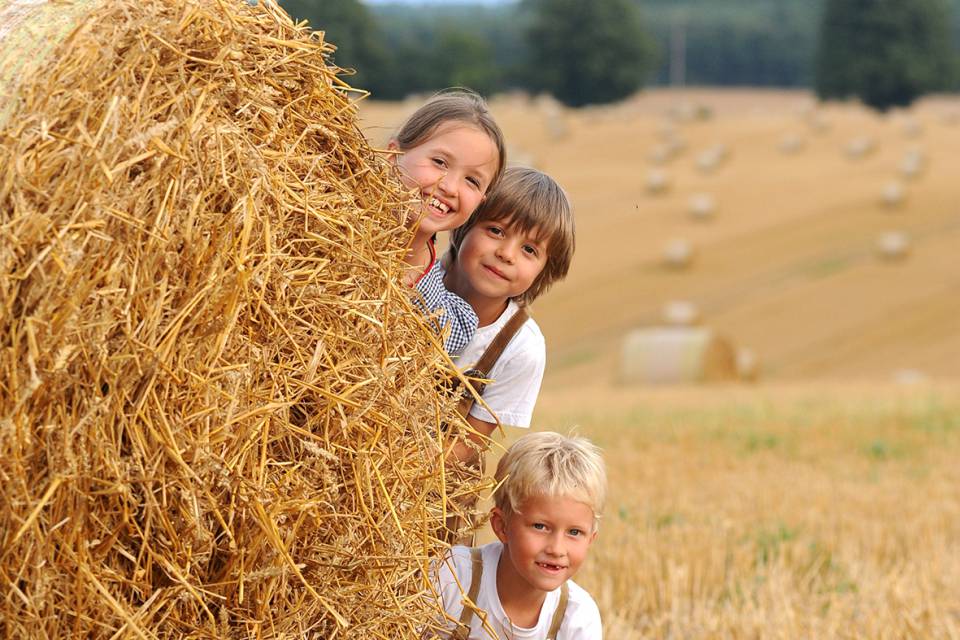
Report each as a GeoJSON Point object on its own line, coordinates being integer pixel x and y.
{"type": "Point", "coordinates": [791, 144]}
{"type": "Point", "coordinates": [678, 254]}
{"type": "Point", "coordinates": [893, 194]}
{"type": "Point", "coordinates": [657, 182]}
{"type": "Point", "coordinates": [219, 414]}
{"type": "Point", "coordinates": [672, 355]}
{"type": "Point", "coordinates": [711, 158]}
{"type": "Point", "coordinates": [893, 246]}
{"type": "Point", "coordinates": [681, 313]}
{"type": "Point", "coordinates": [912, 164]}
{"type": "Point", "coordinates": [912, 128]}
{"type": "Point", "coordinates": [748, 365]}
{"type": "Point", "coordinates": [702, 207]}
{"type": "Point", "coordinates": [860, 147]}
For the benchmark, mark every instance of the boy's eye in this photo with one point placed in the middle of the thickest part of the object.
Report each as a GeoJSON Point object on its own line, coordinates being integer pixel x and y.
{"type": "Point", "coordinates": [530, 249]}
{"type": "Point", "coordinates": [576, 532]}
{"type": "Point", "coordinates": [497, 231]}
{"type": "Point", "coordinates": [539, 526]}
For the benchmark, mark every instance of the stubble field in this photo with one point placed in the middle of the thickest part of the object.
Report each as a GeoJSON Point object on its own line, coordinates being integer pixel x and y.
{"type": "Point", "coordinates": [822, 500]}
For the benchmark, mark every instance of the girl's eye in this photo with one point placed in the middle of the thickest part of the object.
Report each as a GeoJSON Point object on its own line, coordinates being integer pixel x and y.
{"type": "Point", "coordinates": [539, 526]}
{"type": "Point", "coordinates": [575, 532]}
{"type": "Point", "coordinates": [474, 182]}
{"type": "Point", "coordinates": [440, 162]}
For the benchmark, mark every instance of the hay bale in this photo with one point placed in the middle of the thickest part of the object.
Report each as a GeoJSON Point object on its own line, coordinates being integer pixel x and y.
{"type": "Point", "coordinates": [893, 194]}
{"type": "Point", "coordinates": [219, 415]}
{"type": "Point", "coordinates": [912, 164]}
{"type": "Point", "coordinates": [678, 254]}
{"type": "Point", "coordinates": [893, 246]}
{"type": "Point", "coordinates": [709, 159]}
{"type": "Point", "coordinates": [657, 182]}
{"type": "Point", "coordinates": [912, 128]}
{"type": "Point", "coordinates": [681, 313]}
{"type": "Point", "coordinates": [860, 147]}
{"type": "Point", "coordinates": [702, 207]}
{"type": "Point", "coordinates": [748, 365]}
{"type": "Point", "coordinates": [791, 144]}
{"type": "Point", "coordinates": [671, 355]}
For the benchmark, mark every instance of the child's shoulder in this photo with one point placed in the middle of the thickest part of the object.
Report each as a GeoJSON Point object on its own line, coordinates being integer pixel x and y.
{"type": "Point", "coordinates": [582, 616]}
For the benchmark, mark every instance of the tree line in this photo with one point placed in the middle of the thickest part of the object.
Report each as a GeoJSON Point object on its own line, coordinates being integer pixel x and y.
{"type": "Point", "coordinates": [884, 52]}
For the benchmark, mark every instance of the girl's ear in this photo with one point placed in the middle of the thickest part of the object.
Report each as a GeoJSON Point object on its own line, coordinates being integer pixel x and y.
{"type": "Point", "coordinates": [393, 146]}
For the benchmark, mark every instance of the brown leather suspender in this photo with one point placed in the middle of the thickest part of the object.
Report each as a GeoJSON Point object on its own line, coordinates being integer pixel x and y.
{"type": "Point", "coordinates": [481, 370]}
{"type": "Point", "coordinates": [466, 616]}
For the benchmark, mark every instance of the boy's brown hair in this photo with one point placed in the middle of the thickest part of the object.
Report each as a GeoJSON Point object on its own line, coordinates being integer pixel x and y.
{"type": "Point", "coordinates": [453, 105]}
{"type": "Point", "coordinates": [532, 201]}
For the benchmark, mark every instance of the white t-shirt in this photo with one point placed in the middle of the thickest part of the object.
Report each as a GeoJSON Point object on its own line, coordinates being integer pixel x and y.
{"type": "Point", "coordinates": [581, 621]}
{"type": "Point", "coordinates": [516, 375]}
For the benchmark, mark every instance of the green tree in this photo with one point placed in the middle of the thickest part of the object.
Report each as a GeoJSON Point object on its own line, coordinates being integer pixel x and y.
{"type": "Point", "coordinates": [887, 53]}
{"type": "Point", "coordinates": [349, 25]}
{"type": "Point", "coordinates": [587, 52]}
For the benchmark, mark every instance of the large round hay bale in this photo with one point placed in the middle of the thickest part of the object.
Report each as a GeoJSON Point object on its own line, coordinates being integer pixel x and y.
{"type": "Point", "coordinates": [219, 415]}
{"type": "Point", "coordinates": [670, 355]}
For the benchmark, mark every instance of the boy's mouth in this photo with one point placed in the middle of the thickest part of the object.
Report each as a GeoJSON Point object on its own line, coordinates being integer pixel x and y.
{"type": "Point", "coordinates": [496, 272]}
{"type": "Point", "coordinates": [552, 568]}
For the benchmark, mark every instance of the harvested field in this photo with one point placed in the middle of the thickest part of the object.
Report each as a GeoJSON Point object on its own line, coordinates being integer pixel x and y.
{"type": "Point", "coordinates": [806, 511]}
{"type": "Point", "coordinates": [787, 266]}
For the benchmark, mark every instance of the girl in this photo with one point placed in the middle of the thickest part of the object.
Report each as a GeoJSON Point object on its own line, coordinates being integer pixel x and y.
{"type": "Point", "coordinates": [452, 151]}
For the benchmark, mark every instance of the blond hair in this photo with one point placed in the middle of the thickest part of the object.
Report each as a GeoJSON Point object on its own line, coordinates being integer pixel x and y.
{"type": "Point", "coordinates": [553, 465]}
{"type": "Point", "coordinates": [532, 201]}
{"type": "Point", "coordinates": [456, 104]}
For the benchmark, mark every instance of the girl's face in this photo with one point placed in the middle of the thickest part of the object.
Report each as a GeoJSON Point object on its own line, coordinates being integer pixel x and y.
{"type": "Point", "coordinates": [452, 169]}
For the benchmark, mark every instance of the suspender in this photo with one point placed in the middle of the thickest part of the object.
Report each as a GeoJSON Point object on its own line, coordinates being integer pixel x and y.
{"type": "Point", "coordinates": [462, 631]}
{"type": "Point", "coordinates": [481, 370]}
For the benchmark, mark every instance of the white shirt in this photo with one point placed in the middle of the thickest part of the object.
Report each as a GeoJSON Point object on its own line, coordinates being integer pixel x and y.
{"type": "Point", "coordinates": [517, 374]}
{"type": "Point", "coordinates": [581, 621]}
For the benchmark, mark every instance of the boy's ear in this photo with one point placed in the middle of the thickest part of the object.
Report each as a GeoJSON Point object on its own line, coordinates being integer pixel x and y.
{"type": "Point", "coordinates": [498, 522]}
{"type": "Point", "coordinates": [393, 146]}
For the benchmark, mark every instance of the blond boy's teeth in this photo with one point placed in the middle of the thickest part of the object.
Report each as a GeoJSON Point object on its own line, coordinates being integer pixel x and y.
{"type": "Point", "coordinates": [439, 205]}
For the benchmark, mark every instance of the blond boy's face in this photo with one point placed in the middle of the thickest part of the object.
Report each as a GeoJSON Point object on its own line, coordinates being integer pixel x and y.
{"type": "Point", "coordinates": [545, 542]}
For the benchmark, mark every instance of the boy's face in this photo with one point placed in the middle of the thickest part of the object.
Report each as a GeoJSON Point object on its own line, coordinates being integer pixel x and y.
{"type": "Point", "coordinates": [500, 261]}
{"type": "Point", "coordinates": [545, 542]}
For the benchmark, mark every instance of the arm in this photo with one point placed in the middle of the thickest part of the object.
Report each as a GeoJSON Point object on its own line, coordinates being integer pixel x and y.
{"type": "Point", "coordinates": [465, 453]}
{"type": "Point", "coordinates": [455, 311]}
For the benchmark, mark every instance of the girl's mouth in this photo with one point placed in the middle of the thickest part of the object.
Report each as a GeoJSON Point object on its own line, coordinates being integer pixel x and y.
{"type": "Point", "coordinates": [440, 206]}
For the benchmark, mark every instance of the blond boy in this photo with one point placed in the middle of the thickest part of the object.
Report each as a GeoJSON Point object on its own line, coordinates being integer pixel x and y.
{"type": "Point", "coordinates": [548, 504]}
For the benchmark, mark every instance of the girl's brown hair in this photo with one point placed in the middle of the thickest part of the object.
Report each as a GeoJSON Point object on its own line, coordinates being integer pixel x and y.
{"type": "Point", "coordinates": [453, 105]}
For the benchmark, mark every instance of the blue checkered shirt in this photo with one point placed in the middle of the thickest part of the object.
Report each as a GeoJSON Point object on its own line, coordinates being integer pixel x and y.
{"type": "Point", "coordinates": [447, 309]}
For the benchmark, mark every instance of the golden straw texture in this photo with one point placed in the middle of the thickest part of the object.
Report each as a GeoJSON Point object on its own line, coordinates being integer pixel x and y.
{"type": "Point", "coordinates": [218, 409]}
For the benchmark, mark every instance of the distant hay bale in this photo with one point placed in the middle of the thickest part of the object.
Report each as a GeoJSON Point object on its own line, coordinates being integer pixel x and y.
{"type": "Point", "coordinates": [666, 151]}
{"type": "Point", "coordinates": [860, 147]}
{"type": "Point", "coordinates": [678, 254]}
{"type": "Point", "coordinates": [912, 128]}
{"type": "Point", "coordinates": [791, 144]}
{"type": "Point", "coordinates": [657, 182]}
{"type": "Point", "coordinates": [672, 355]}
{"type": "Point", "coordinates": [219, 411]}
{"type": "Point", "coordinates": [893, 194]}
{"type": "Point", "coordinates": [893, 246]}
{"type": "Point", "coordinates": [912, 164]}
{"type": "Point", "coordinates": [711, 158]}
{"type": "Point", "coordinates": [681, 313]}
{"type": "Point", "coordinates": [818, 122]}
{"type": "Point", "coordinates": [702, 207]}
